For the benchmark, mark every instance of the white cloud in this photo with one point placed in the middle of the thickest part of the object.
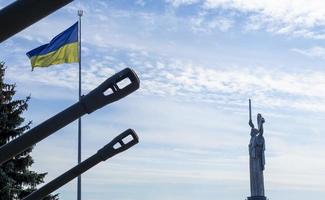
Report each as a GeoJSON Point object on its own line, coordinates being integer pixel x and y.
{"type": "Point", "coordinates": [295, 12]}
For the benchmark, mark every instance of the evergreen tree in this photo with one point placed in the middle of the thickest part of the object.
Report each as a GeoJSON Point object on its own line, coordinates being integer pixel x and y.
{"type": "Point", "coordinates": [16, 178]}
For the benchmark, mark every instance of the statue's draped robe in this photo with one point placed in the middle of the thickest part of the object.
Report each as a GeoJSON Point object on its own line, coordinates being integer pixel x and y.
{"type": "Point", "coordinates": [256, 163]}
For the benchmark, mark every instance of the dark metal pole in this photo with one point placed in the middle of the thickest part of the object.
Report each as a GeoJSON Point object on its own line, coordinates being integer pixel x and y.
{"type": "Point", "coordinates": [103, 154]}
{"type": "Point", "coordinates": [23, 13]}
{"type": "Point", "coordinates": [94, 100]}
{"type": "Point", "coordinates": [80, 13]}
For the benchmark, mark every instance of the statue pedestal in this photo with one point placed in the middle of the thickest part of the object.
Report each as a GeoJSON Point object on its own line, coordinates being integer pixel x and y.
{"type": "Point", "coordinates": [257, 198]}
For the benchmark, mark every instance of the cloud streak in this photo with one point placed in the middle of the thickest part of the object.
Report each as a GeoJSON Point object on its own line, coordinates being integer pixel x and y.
{"type": "Point", "coordinates": [314, 52]}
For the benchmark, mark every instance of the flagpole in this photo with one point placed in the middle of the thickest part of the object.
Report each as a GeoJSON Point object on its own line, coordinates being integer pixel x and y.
{"type": "Point", "coordinates": [80, 13]}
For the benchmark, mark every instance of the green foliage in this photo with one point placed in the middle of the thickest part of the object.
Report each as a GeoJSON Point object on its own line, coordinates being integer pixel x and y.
{"type": "Point", "coordinates": [16, 178]}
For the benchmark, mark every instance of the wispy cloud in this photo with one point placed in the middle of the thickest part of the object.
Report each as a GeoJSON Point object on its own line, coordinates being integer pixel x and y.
{"type": "Point", "coordinates": [177, 3]}
{"type": "Point", "coordinates": [279, 17]}
{"type": "Point", "coordinates": [203, 23]}
{"type": "Point", "coordinates": [314, 52]}
{"type": "Point", "coordinates": [161, 76]}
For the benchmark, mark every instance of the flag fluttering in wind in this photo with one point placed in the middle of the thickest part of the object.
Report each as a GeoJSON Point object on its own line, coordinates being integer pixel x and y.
{"type": "Point", "coordinates": [63, 48]}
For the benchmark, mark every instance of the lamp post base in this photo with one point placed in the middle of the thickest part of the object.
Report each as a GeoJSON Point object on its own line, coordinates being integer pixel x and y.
{"type": "Point", "coordinates": [257, 198]}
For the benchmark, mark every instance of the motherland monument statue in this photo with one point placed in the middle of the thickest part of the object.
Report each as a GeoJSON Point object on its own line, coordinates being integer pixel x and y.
{"type": "Point", "coordinates": [256, 157]}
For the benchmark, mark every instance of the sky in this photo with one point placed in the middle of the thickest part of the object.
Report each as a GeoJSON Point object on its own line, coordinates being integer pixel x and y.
{"type": "Point", "coordinates": [199, 61]}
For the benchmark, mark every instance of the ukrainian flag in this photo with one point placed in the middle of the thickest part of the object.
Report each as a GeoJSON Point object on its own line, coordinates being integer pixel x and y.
{"type": "Point", "coordinates": [62, 49]}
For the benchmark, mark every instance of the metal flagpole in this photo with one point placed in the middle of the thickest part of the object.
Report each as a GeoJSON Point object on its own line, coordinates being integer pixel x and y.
{"type": "Point", "coordinates": [80, 13]}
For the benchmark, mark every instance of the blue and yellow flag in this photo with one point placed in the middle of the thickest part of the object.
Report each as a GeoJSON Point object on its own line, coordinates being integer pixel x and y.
{"type": "Point", "coordinates": [62, 49]}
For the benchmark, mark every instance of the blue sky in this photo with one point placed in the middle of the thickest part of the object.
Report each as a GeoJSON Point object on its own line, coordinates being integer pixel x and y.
{"type": "Point", "coordinates": [198, 61]}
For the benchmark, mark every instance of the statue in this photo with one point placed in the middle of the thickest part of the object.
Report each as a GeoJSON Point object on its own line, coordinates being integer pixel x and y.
{"type": "Point", "coordinates": [256, 157]}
